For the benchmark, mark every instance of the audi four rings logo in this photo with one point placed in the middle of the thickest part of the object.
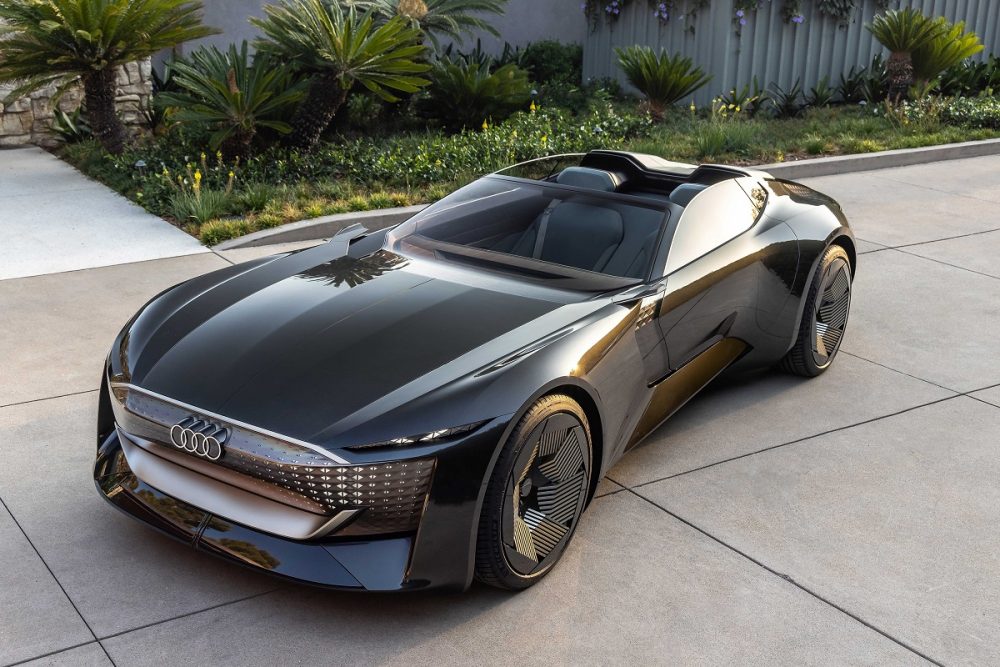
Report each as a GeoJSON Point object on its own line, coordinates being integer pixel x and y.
{"type": "Point", "coordinates": [199, 437]}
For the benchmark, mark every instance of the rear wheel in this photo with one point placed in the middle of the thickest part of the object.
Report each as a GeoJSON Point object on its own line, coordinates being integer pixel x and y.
{"type": "Point", "coordinates": [536, 495]}
{"type": "Point", "coordinates": [824, 318]}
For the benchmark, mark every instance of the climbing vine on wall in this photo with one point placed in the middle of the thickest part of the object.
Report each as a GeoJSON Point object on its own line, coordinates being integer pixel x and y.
{"type": "Point", "coordinates": [665, 11]}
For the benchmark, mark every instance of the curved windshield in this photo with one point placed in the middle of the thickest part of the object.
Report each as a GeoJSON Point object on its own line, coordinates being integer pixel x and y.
{"type": "Point", "coordinates": [529, 222]}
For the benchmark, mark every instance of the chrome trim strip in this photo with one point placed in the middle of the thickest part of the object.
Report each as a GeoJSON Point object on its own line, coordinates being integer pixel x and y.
{"type": "Point", "coordinates": [243, 425]}
{"type": "Point", "coordinates": [226, 501]}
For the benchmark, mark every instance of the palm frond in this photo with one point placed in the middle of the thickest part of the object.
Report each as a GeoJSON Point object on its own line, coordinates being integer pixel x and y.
{"type": "Point", "coordinates": [903, 30]}
{"type": "Point", "coordinates": [662, 78]}
{"type": "Point", "coordinates": [51, 41]}
{"type": "Point", "coordinates": [322, 38]}
{"type": "Point", "coordinates": [948, 48]}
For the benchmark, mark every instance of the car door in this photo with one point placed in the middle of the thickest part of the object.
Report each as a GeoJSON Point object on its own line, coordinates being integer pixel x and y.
{"type": "Point", "coordinates": [710, 280]}
{"type": "Point", "coordinates": [712, 269]}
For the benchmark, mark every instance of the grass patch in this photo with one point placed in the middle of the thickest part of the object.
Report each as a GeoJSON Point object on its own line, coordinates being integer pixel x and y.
{"type": "Point", "coordinates": [363, 174]}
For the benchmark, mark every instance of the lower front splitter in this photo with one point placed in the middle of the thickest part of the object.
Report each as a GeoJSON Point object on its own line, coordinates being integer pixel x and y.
{"type": "Point", "coordinates": [375, 565]}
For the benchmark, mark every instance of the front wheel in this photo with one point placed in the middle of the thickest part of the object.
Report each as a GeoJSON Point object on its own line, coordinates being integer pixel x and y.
{"type": "Point", "coordinates": [824, 318]}
{"type": "Point", "coordinates": [536, 495]}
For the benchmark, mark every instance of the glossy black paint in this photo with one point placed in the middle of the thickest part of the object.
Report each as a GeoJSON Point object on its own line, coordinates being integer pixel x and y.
{"type": "Point", "coordinates": [351, 343]}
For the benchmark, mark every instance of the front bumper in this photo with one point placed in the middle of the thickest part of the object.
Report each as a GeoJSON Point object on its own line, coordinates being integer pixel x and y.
{"type": "Point", "coordinates": [440, 554]}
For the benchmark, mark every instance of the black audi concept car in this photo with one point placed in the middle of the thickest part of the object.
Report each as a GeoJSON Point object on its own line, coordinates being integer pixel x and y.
{"type": "Point", "coordinates": [425, 405]}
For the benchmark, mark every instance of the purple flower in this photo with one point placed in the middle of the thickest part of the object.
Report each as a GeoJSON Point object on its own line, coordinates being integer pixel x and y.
{"type": "Point", "coordinates": [798, 18]}
{"type": "Point", "coordinates": [739, 13]}
{"type": "Point", "coordinates": [743, 21]}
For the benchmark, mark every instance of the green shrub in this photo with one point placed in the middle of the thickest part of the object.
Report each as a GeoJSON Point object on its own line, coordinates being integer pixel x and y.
{"type": "Point", "coordinates": [200, 206]}
{"type": "Point", "coordinates": [256, 196]}
{"type": "Point", "coordinates": [71, 128]}
{"type": "Point", "coordinates": [550, 62]}
{"type": "Point", "coordinates": [969, 78]}
{"type": "Point", "coordinates": [232, 97]}
{"type": "Point", "coordinates": [816, 144]}
{"type": "Point", "coordinates": [710, 140]}
{"type": "Point", "coordinates": [662, 78]}
{"type": "Point", "coordinates": [466, 93]}
{"type": "Point", "coordinates": [217, 231]}
{"type": "Point", "coordinates": [982, 112]}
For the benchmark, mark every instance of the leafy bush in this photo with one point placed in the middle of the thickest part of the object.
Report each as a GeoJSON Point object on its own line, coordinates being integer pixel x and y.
{"type": "Point", "coordinates": [710, 140]}
{"type": "Point", "coordinates": [255, 196]}
{"type": "Point", "coordinates": [750, 98]}
{"type": "Point", "coordinates": [466, 94]}
{"type": "Point", "coordinates": [786, 102]}
{"type": "Point", "coordinates": [232, 97]}
{"type": "Point", "coordinates": [950, 45]}
{"type": "Point", "coordinates": [71, 128]}
{"type": "Point", "coordinates": [821, 94]}
{"type": "Point", "coordinates": [549, 62]}
{"type": "Point", "coordinates": [200, 206]}
{"type": "Point", "coordinates": [816, 144]}
{"type": "Point", "coordinates": [57, 41]}
{"type": "Point", "coordinates": [338, 49]}
{"type": "Point", "coordinates": [662, 78]}
{"type": "Point", "coordinates": [969, 78]}
{"type": "Point", "coordinates": [972, 112]}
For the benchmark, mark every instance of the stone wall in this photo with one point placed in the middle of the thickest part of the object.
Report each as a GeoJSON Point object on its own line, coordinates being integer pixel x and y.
{"type": "Point", "coordinates": [29, 119]}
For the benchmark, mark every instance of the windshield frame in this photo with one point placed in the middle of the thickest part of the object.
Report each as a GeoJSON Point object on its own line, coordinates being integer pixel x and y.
{"type": "Point", "coordinates": [400, 238]}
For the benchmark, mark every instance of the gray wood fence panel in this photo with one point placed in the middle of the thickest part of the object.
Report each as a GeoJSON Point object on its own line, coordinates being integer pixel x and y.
{"type": "Point", "coordinates": [769, 48]}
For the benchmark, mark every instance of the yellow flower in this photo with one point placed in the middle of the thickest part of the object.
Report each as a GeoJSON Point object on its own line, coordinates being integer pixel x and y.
{"type": "Point", "coordinates": [197, 180]}
{"type": "Point", "coordinates": [545, 138]}
{"type": "Point", "coordinates": [533, 108]}
{"type": "Point", "coordinates": [732, 106]}
{"type": "Point", "coordinates": [486, 125]}
{"type": "Point", "coordinates": [693, 107]}
{"type": "Point", "coordinates": [737, 109]}
{"type": "Point", "coordinates": [232, 174]}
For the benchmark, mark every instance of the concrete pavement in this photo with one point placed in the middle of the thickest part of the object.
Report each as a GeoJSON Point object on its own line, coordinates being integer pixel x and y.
{"type": "Point", "coordinates": [53, 219]}
{"type": "Point", "coordinates": [844, 520]}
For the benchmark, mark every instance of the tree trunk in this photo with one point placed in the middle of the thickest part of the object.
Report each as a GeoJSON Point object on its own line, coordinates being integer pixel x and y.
{"type": "Point", "coordinates": [900, 70]}
{"type": "Point", "coordinates": [325, 96]}
{"type": "Point", "coordinates": [99, 93]}
{"type": "Point", "coordinates": [239, 144]}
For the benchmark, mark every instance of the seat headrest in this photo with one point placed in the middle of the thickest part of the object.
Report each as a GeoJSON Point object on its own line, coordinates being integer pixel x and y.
{"type": "Point", "coordinates": [684, 193]}
{"type": "Point", "coordinates": [592, 179]}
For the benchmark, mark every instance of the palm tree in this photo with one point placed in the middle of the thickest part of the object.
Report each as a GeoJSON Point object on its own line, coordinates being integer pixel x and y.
{"type": "Point", "coordinates": [439, 18]}
{"type": "Point", "coordinates": [661, 77]}
{"type": "Point", "coordinates": [232, 96]}
{"type": "Point", "coordinates": [45, 42]}
{"type": "Point", "coordinates": [902, 31]}
{"type": "Point", "coordinates": [337, 48]}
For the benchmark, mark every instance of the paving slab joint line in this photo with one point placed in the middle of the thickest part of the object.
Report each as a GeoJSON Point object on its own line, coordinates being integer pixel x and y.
{"type": "Point", "coordinates": [943, 263]}
{"type": "Point", "coordinates": [185, 615]}
{"type": "Point", "coordinates": [56, 579]}
{"type": "Point", "coordinates": [51, 653]}
{"type": "Point", "coordinates": [789, 579]}
{"type": "Point", "coordinates": [790, 442]}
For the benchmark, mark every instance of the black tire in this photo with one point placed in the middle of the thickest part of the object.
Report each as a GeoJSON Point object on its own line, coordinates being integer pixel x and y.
{"type": "Point", "coordinates": [824, 318]}
{"type": "Point", "coordinates": [536, 495]}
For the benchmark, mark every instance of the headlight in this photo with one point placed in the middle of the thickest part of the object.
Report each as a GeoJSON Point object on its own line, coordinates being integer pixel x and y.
{"type": "Point", "coordinates": [425, 438]}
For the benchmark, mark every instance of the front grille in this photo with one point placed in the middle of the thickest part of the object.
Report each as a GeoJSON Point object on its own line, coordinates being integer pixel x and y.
{"type": "Point", "coordinates": [392, 494]}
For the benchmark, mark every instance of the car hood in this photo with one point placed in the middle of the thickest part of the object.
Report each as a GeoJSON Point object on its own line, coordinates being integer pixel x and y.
{"type": "Point", "coordinates": [305, 342]}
